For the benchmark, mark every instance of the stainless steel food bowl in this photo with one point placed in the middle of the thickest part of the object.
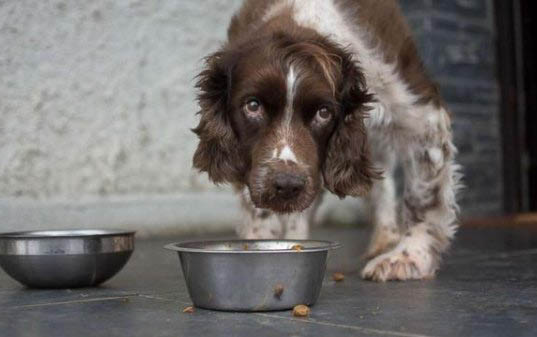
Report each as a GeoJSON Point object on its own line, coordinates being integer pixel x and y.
{"type": "Point", "coordinates": [65, 258]}
{"type": "Point", "coordinates": [253, 275]}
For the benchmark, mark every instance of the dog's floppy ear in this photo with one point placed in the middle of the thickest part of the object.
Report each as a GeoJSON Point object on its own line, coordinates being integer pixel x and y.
{"type": "Point", "coordinates": [347, 168]}
{"type": "Point", "coordinates": [218, 148]}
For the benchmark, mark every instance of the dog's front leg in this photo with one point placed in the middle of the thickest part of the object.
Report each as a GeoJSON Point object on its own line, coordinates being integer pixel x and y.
{"type": "Point", "coordinates": [257, 223]}
{"type": "Point", "coordinates": [265, 224]}
{"type": "Point", "coordinates": [297, 225]}
{"type": "Point", "coordinates": [429, 209]}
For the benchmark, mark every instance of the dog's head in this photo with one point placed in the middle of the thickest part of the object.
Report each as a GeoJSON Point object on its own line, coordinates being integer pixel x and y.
{"type": "Point", "coordinates": [284, 115]}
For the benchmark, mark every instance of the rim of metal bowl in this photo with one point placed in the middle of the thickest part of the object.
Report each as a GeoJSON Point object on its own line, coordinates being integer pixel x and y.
{"type": "Point", "coordinates": [65, 233]}
{"type": "Point", "coordinates": [323, 245]}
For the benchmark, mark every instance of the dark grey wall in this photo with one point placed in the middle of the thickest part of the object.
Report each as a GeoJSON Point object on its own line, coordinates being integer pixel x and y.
{"type": "Point", "coordinates": [457, 42]}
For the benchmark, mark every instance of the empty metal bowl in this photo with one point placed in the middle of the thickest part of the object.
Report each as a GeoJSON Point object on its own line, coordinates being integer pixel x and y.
{"type": "Point", "coordinates": [65, 258]}
{"type": "Point", "coordinates": [253, 275]}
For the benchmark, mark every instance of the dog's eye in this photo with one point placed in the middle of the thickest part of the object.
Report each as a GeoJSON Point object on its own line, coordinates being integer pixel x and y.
{"type": "Point", "coordinates": [323, 115]}
{"type": "Point", "coordinates": [253, 108]}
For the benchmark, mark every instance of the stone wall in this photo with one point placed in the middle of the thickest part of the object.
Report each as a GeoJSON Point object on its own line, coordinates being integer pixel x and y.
{"type": "Point", "coordinates": [457, 41]}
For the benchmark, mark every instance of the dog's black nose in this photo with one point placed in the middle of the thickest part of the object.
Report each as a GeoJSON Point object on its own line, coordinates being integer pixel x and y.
{"type": "Point", "coordinates": [288, 185]}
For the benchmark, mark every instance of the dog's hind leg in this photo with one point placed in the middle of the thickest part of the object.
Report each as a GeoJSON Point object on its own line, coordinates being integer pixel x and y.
{"type": "Point", "coordinates": [382, 201]}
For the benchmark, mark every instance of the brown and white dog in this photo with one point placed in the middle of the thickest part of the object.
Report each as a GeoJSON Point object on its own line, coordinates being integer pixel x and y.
{"type": "Point", "coordinates": [309, 95]}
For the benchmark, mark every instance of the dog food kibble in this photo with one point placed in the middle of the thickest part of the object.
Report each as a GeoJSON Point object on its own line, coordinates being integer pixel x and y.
{"type": "Point", "coordinates": [338, 277]}
{"type": "Point", "coordinates": [278, 291]}
{"type": "Point", "coordinates": [301, 310]}
{"type": "Point", "coordinates": [298, 248]}
{"type": "Point", "coordinates": [188, 310]}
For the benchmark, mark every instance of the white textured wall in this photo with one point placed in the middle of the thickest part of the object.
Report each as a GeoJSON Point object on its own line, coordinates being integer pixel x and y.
{"type": "Point", "coordinates": [97, 97]}
{"type": "Point", "coordinates": [96, 102]}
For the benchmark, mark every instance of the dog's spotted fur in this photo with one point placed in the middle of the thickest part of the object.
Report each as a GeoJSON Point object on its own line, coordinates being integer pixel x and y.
{"type": "Point", "coordinates": [357, 58]}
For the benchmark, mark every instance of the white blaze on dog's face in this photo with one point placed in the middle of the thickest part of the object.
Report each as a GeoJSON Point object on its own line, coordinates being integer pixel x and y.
{"type": "Point", "coordinates": [275, 112]}
{"type": "Point", "coordinates": [283, 136]}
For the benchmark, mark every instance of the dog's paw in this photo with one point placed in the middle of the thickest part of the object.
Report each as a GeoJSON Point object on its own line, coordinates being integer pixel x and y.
{"type": "Point", "coordinates": [382, 240]}
{"type": "Point", "coordinates": [399, 265]}
{"type": "Point", "coordinates": [411, 259]}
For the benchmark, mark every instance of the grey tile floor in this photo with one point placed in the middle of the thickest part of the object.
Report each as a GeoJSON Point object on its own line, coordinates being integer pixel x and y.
{"type": "Point", "coordinates": [487, 287]}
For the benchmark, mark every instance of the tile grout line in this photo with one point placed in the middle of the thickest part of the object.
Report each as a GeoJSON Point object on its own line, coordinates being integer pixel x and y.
{"type": "Point", "coordinates": [352, 327]}
{"type": "Point", "coordinates": [97, 299]}
{"type": "Point", "coordinates": [156, 297]}
{"type": "Point", "coordinates": [73, 302]}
